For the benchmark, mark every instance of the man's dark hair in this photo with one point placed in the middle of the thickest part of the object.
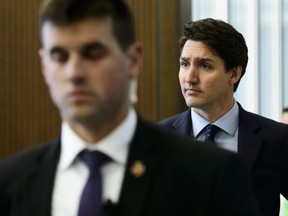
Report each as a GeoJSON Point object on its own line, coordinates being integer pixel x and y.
{"type": "Point", "coordinates": [66, 12]}
{"type": "Point", "coordinates": [223, 40]}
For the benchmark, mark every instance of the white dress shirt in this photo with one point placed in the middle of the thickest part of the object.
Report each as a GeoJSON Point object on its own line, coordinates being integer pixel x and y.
{"type": "Point", "coordinates": [227, 136]}
{"type": "Point", "coordinates": [72, 173]}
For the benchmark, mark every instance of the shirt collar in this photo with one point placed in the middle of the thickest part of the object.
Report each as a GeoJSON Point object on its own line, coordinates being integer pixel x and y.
{"type": "Point", "coordinates": [115, 145]}
{"type": "Point", "coordinates": [228, 122]}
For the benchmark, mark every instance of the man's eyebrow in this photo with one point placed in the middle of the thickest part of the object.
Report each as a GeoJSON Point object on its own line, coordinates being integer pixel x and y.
{"type": "Point", "coordinates": [93, 45]}
{"type": "Point", "coordinates": [56, 49]}
{"type": "Point", "coordinates": [197, 59]}
{"type": "Point", "coordinates": [184, 58]}
{"type": "Point", "coordinates": [90, 45]}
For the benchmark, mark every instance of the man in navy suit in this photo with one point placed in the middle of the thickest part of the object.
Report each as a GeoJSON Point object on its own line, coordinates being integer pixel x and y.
{"type": "Point", "coordinates": [212, 62]}
{"type": "Point", "coordinates": [89, 59]}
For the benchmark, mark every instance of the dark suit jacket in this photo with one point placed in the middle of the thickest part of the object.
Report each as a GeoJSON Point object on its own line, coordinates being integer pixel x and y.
{"type": "Point", "coordinates": [262, 144]}
{"type": "Point", "coordinates": [182, 177]}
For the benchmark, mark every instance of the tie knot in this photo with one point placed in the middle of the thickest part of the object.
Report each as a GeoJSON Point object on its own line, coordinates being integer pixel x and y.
{"type": "Point", "coordinates": [210, 132]}
{"type": "Point", "coordinates": [93, 159]}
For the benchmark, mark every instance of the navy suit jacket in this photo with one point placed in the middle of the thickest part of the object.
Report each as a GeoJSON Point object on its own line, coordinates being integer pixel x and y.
{"type": "Point", "coordinates": [182, 177]}
{"type": "Point", "coordinates": [263, 146]}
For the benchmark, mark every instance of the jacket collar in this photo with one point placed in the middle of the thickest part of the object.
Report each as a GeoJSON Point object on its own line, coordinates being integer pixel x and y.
{"type": "Point", "coordinates": [142, 155]}
{"type": "Point", "coordinates": [39, 185]}
{"type": "Point", "coordinates": [249, 140]}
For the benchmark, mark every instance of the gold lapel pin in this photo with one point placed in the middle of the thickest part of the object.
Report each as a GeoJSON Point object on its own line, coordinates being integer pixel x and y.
{"type": "Point", "coordinates": [137, 169]}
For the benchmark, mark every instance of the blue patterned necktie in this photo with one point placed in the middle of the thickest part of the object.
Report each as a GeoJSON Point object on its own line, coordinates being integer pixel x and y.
{"type": "Point", "coordinates": [210, 132]}
{"type": "Point", "coordinates": [91, 198]}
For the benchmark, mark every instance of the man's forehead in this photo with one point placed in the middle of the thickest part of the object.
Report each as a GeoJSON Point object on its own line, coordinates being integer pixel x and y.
{"type": "Point", "coordinates": [85, 30]}
{"type": "Point", "coordinates": [196, 46]}
{"type": "Point", "coordinates": [197, 50]}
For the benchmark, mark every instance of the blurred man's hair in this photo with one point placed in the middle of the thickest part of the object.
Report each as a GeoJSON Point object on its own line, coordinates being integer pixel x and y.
{"type": "Point", "coordinates": [66, 12]}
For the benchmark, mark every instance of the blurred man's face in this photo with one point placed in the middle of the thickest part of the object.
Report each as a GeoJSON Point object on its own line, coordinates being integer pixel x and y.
{"type": "Point", "coordinates": [87, 72]}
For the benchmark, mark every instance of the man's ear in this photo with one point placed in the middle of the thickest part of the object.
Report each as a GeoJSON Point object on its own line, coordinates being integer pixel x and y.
{"type": "Point", "coordinates": [236, 74]}
{"type": "Point", "coordinates": [134, 53]}
{"type": "Point", "coordinates": [41, 53]}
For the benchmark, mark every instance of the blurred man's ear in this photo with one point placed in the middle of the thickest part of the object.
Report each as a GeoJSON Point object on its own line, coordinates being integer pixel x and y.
{"type": "Point", "coordinates": [133, 94]}
{"type": "Point", "coordinates": [134, 53]}
{"type": "Point", "coordinates": [41, 53]}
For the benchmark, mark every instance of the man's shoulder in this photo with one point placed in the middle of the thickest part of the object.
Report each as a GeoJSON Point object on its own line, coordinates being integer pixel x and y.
{"type": "Point", "coordinates": [264, 122]}
{"type": "Point", "coordinates": [28, 158]}
{"type": "Point", "coordinates": [172, 119]}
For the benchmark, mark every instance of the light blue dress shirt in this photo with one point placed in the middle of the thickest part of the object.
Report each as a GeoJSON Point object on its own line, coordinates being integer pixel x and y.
{"type": "Point", "coordinates": [227, 136]}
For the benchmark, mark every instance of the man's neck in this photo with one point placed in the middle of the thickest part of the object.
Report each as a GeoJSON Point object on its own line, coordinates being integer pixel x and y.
{"type": "Point", "coordinates": [213, 114]}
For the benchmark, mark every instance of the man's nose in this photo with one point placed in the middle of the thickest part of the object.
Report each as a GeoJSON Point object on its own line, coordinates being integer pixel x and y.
{"type": "Point", "coordinates": [191, 75]}
{"type": "Point", "coordinates": [74, 69]}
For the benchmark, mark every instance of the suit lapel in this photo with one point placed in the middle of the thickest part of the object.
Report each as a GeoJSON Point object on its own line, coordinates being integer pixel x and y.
{"type": "Point", "coordinates": [39, 186]}
{"type": "Point", "coordinates": [142, 153]}
{"type": "Point", "coordinates": [183, 124]}
{"type": "Point", "coordinates": [249, 140]}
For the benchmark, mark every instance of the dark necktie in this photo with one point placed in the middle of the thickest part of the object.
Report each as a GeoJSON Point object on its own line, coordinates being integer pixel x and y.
{"type": "Point", "coordinates": [210, 132]}
{"type": "Point", "coordinates": [91, 198]}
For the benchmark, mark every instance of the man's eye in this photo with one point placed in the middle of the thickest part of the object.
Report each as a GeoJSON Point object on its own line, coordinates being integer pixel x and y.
{"type": "Point", "coordinates": [59, 56]}
{"type": "Point", "coordinates": [184, 64]}
{"type": "Point", "coordinates": [94, 54]}
{"type": "Point", "coordinates": [205, 66]}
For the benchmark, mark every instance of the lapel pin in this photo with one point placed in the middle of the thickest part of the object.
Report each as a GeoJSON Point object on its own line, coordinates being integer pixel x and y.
{"type": "Point", "coordinates": [137, 169]}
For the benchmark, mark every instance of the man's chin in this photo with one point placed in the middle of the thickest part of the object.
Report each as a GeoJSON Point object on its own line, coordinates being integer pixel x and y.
{"type": "Point", "coordinates": [194, 104]}
{"type": "Point", "coordinates": [83, 119]}
{"type": "Point", "coordinates": [81, 114]}
{"type": "Point", "coordinates": [190, 103]}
